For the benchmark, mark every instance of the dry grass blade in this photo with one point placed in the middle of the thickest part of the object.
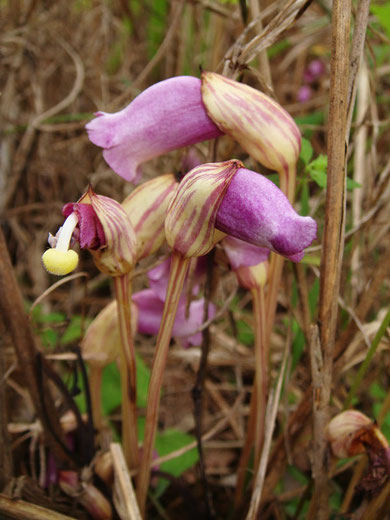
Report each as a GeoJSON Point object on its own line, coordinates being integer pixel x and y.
{"type": "Point", "coordinates": [270, 418]}
{"type": "Point", "coordinates": [333, 239]}
{"type": "Point", "coordinates": [21, 510]}
{"type": "Point", "coordinates": [124, 496]}
{"type": "Point", "coordinates": [272, 31]}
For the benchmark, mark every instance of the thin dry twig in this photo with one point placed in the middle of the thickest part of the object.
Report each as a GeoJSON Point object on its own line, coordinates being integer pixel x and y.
{"type": "Point", "coordinates": [21, 510]}
{"type": "Point", "coordinates": [272, 408]}
{"type": "Point", "coordinates": [333, 240]}
{"type": "Point", "coordinates": [124, 495]}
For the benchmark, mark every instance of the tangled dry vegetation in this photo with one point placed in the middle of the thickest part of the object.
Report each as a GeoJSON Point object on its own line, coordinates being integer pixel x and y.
{"type": "Point", "coordinates": [61, 61]}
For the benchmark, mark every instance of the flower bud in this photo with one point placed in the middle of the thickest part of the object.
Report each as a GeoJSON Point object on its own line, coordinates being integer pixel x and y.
{"type": "Point", "coordinates": [166, 116]}
{"type": "Point", "coordinates": [101, 344]}
{"type": "Point", "coordinates": [350, 432]}
{"type": "Point", "coordinates": [146, 208]}
{"type": "Point", "coordinates": [258, 123]}
{"type": "Point", "coordinates": [190, 222]}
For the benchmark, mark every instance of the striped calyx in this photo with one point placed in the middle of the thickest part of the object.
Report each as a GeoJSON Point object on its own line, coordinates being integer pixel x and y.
{"type": "Point", "coordinates": [118, 255]}
{"type": "Point", "coordinates": [190, 221]}
{"type": "Point", "coordinates": [259, 124]}
{"type": "Point", "coordinates": [146, 208]}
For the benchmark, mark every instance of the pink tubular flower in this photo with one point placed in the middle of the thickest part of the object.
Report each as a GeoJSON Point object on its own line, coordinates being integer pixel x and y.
{"type": "Point", "coordinates": [166, 116]}
{"type": "Point", "coordinates": [256, 211]}
{"type": "Point", "coordinates": [150, 309]}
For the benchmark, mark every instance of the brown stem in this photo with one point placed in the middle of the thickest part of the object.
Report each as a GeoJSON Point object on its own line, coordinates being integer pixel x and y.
{"type": "Point", "coordinates": [258, 404]}
{"type": "Point", "coordinates": [198, 390]}
{"type": "Point", "coordinates": [287, 185]}
{"type": "Point", "coordinates": [95, 388]}
{"type": "Point", "coordinates": [19, 328]}
{"type": "Point", "coordinates": [179, 266]}
{"type": "Point", "coordinates": [261, 379]}
{"type": "Point", "coordinates": [127, 371]}
{"type": "Point", "coordinates": [333, 239]}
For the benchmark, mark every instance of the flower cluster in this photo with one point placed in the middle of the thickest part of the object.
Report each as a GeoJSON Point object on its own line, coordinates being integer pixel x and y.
{"type": "Point", "coordinates": [213, 202]}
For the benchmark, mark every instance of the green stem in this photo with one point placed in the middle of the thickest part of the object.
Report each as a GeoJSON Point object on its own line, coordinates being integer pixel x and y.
{"type": "Point", "coordinates": [179, 267]}
{"type": "Point", "coordinates": [364, 366]}
{"type": "Point", "coordinates": [127, 371]}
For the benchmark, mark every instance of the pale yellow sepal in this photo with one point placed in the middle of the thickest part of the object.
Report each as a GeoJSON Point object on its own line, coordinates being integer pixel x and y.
{"type": "Point", "coordinates": [257, 122]}
{"type": "Point", "coordinates": [60, 262]}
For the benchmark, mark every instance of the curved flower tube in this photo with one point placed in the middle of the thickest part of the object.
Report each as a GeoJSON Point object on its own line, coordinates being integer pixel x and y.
{"type": "Point", "coordinates": [255, 210]}
{"type": "Point", "coordinates": [240, 203]}
{"type": "Point", "coordinates": [166, 116]}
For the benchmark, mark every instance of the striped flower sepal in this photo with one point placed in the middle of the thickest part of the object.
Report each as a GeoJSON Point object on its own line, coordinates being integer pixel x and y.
{"type": "Point", "coordinates": [146, 208]}
{"type": "Point", "coordinates": [190, 222]}
{"type": "Point", "coordinates": [99, 224]}
{"type": "Point", "coordinates": [117, 256]}
{"type": "Point", "coordinates": [261, 126]}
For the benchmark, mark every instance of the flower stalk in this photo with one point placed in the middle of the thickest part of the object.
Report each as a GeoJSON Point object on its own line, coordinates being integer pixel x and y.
{"type": "Point", "coordinates": [178, 271]}
{"type": "Point", "coordinates": [128, 371]}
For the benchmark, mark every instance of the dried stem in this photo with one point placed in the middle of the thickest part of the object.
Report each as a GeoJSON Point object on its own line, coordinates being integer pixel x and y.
{"type": "Point", "coordinates": [124, 496]}
{"type": "Point", "coordinates": [95, 388]}
{"type": "Point", "coordinates": [261, 367]}
{"type": "Point", "coordinates": [198, 390]}
{"type": "Point", "coordinates": [128, 372]}
{"type": "Point", "coordinates": [256, 421]}
{"type": "Point", "coordinates": [12, 310]}
{"type": "Point", "coordinates": [287, 185]}
{"type": "Point", "coordinates": [179, 267]}
{"type": "Point", "coordinates": [21, 510]}
{"type": "Point", "coordinates": [270, 418]}
{"type": "Point", "coordinates": [333, 240]}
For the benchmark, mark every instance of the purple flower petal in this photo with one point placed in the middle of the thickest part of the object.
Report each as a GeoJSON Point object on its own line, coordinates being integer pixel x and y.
{"type": "Point", "coordinates": [166, 116]}
{"type": "Point", "coordinates": [256, 211]}
{"type": "Point", "coordinates": [242, 254]}
{"type": "Point", "coordinates": [91, 234]}
{"type": "Point", "coordinates": [159, 276]}
{"type": "Point", "coordinates": [314, 70]}
{"type": "Point", "coordinates": [150, 309]}
{"type": "Point", "coordinates": [304, 93]}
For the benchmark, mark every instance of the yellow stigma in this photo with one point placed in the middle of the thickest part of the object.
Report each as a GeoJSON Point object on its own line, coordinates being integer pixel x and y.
{"type": "Point", "coordinates": [60, 262]}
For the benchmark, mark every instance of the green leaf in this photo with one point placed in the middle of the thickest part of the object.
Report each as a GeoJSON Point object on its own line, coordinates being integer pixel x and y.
{"type": "Point", "coordinates": [377, 391]}
{"type": "Point", "coordinates": [306, 151]}
{"type": "Point", "coordinates": [167, 442]}
{"type": "Point", "coordinates": [245, 333]}
{"type": "Point", "coordinates": [319, 177]}
{"type": "Point", "coordinates": [352, 184]}
{"type": "Point", "coordinates": [111, 391]}
{"type": "Point", "coordinates": [382, 12]}
{"type": "Point", "coordinates": [75, 330]}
